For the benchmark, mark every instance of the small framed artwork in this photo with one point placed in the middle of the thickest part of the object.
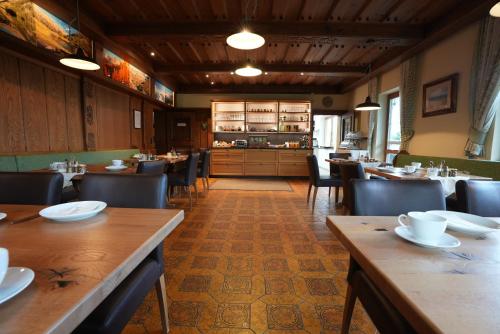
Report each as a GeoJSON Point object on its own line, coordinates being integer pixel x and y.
{"type": "Point", "coordinates": [440, 96]}
{"type": "Point", "coordinates": [137, 119]}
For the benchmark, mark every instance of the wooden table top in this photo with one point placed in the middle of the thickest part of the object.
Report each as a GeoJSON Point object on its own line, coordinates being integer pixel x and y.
{"type": "Point", "coordinates": [398, 174]}
{"type": "Point", "coordinates": [76, 264]}
{"type": "Point", "coordinates": [437, 291]}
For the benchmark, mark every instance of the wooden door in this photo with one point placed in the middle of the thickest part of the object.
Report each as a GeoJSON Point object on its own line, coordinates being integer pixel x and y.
{"type": "Point", "coordinates": [179, 131]}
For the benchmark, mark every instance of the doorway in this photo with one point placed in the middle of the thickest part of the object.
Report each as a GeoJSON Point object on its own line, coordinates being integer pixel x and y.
{"type": "Point", "coordinates": [325, 139]}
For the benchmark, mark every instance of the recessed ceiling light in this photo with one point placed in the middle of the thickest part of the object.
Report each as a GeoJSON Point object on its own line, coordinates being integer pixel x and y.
{"type": "Point", "coordinates": [206, 75]}
{"type": "Point", "coordinates": [232, 73]}
{"type": "Point", "coordinates": [248, 71]}
{"type": "Point", "coordinates": [152, 54]}
{"type": "Point", "coordinates": [265, 73]}
{"type": "Point", "coordinates": [301, 73]}
{"type": "Point", "coordinates": [212, 82]}
{"type": "Point", "coordinates": [245, 40]}
{"type": "Point", "coordinates": [495, 10]}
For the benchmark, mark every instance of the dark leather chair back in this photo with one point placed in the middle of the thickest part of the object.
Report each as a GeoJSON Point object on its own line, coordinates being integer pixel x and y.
{"type": "Point", "coordinates": [191, 168]}
{"type": "Point", "coordinates": [125, 190]}
{"type": "Point", "coordinates": [334, 168]}
{"type": "Point", "coordinates": [151, 167]}
{"type": "Point", "coordinates": [31, 188]}
{"type": "Point", "coordinates": [205, 163]}
{"type": "Point", "coordinates": [394, 197]}
{"type": "Point", "coordinates": [312, 164]}
{"type": "Point", "coordinates": [348, 172]}
{"type": "Point", "coordinates": [479, 197]}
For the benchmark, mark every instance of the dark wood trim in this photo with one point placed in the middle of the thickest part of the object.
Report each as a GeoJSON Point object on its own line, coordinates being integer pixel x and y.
{"type": "Point", "coordinates": [453, 100]}
{"type": "Point", "coordinates": [333, 112]}
{"type": "Point", "coordinates": [260, 89]}
{"type": "Point", "coordinates": [466, 13]}
{"type": "Point", "coordinates": [289, 30]}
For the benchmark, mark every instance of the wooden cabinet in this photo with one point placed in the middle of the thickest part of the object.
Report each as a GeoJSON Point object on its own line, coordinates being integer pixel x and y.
{"type": "Point", "coordinates": [228, 155]}
{"type": "Point", "coordinates": [293, 162]}
{"type": "Point", "coordinates": [261, 168]}
{"type": "Point", "coordinates": [262, 155]}
{"type": "Point", "coordinates": [227, 162]}
{"type": "Point", "coordinates": [291, 155]}
{"type": "Point", "coordinates": [227, 168]}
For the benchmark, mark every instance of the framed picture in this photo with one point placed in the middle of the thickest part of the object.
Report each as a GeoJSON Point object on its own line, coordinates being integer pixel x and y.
{"type": "Point", "coordinates": [137, 119]}
{"type": "Point", "coordinates": [440, 96]}
{"type": "Point", "coordinates": [347, 125]}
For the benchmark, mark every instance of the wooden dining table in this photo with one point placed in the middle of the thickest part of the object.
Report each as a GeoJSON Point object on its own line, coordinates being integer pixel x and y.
{"type": "Point", "coordinates": [77, 265]}
{"type": "Point", "coordinates": [436, 290]}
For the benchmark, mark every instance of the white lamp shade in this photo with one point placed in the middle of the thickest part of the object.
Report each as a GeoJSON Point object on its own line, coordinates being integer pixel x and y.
{"type": "Point", "coordinates": [80, 64]}
{"type": "Point", "coordinates": [245, 40]}
{"type": "Point", "coordinates": [495, 10]}
{"type": "Point", "coordinates": [248, 71]}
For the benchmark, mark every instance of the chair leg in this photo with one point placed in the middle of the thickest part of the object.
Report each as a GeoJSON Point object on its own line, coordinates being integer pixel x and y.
{"type": "Point", "coordinates": [190, 198]}
{"type": "Point", "coordinates": [350, 300]}
{"type": "Point", "coordinates": [196, 191]}
{"type": "Point", "coordinates": [314, 196]}
{"type": "Point", "coordinates": [203, 182]}
{"type": "Point", "coordinates": [208, 184]}
{"type": "Point", "coordinates": [336, 195]}
{"type": "Point", "coordinates": [329, 191]}
{"type": "Point", "coordinates": [309, 192]}
{"type": "Point", "coordinates": [161, 293]}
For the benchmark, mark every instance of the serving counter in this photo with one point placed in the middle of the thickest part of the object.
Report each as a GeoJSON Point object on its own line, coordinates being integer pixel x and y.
{"type": "Point", "coordinates": [259, 162]}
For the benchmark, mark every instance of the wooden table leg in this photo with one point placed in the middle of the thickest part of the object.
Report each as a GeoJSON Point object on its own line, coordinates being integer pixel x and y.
{"type": "Point", "coordinates": [161, 292]}
{"type": "Point", "coordinates": [350, 297]}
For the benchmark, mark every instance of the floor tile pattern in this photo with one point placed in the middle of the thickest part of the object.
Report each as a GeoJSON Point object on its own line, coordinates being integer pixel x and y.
{"type": "Point", "coordinates": [253, 262]}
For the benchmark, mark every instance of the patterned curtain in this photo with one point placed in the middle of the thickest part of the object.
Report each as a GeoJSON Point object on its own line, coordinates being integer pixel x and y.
{"type": "Point", "coordinates": [484, 85]}
{"type": "Point", "coordinates": [408, 100]}
{"type": "Point", "coordinates": [373, 92]}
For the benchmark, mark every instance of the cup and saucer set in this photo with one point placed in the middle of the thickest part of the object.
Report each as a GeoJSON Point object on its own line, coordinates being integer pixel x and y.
{"type": "Point", "coordinates": [13, 280]}
{"type": "Point", "coordinates": [117, 165]}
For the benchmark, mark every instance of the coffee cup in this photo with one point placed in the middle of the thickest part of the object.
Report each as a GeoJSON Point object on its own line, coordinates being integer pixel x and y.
{"type": "Point", "coordinates": [416, 164]}
{"type": "Point", "coordinates": [432, 171]}
{"type": "Point", "coordinates": [4, 263]}
{"type": "Point", "coordinates": [410, 169]}
{"type": "Point", "coordinates": [424, 226]}
{"type": "Point", "coordinates": [117, 162]}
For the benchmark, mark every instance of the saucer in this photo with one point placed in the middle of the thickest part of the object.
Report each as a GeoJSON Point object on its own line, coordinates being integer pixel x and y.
{"type": "Point", "coordinates": [115, 168]}
{"type": "Point", "coordinates": [2, 215]}
{"type": "Point", "coordinates": [15, 281]}
{"type": "Point", "coordinates": [446, 240]}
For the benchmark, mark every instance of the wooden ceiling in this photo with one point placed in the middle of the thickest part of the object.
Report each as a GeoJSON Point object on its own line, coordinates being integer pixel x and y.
{"type": "Point", "coordinates": [311, 45]}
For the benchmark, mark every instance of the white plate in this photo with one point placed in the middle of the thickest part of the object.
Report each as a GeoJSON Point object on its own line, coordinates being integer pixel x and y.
{"type": "Point", "coordinates": [446, 241]}
{"type": "Point", "coordinates": [116, 168]}
{"type": "Point", "coordinates": [73, 211]}
{"type": "Point", "coordinates": [2, 215]}
{"type": "Point", "coordinates": [467, 223]}
{"type": "Point", "coordinates": [15, 281]}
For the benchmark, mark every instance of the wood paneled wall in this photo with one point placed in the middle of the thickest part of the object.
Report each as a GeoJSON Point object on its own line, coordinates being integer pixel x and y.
{"type": "Point", "coordinates": [41, 110]}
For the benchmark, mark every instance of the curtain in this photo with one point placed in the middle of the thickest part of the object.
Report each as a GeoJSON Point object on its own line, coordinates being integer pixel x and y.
{"type": "Point", "coordinates": [484, 100]}
{"type": "Point", "coordinates": [408, 100]}
{"type": "Point", "coordinates": [373, 92]}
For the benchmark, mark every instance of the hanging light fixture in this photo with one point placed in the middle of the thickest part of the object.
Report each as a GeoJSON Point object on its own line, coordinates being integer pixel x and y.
{"type": "Point", "coordinates": [248, 71]}
{"type": "Point", "coordinates": [79, 60]}
{"type": "Point", "coordinates": [246, 40]}
{"type": "Point", "coordinates": [368, 105]}
{"type": "Point", "coordinates": [495, 10]}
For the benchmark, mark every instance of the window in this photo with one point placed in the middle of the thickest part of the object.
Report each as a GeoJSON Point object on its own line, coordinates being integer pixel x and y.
{"type": "Point", "coordinates": [393, 138]}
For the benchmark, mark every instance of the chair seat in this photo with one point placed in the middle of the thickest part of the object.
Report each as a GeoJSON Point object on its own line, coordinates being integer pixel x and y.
{"type": "Point", "coordinates": [176, 179]}
{"type": "Point", "coordinates": [452, 203]}
{"type": "Point", "coordinates": [112, 315]}
{"type": "Point", "coordinates": [328, 181]}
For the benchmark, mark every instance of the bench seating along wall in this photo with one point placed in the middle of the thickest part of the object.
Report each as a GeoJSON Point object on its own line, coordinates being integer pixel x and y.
{"type": "Point", "coordinates": [29, 162]}
{"type": "Point", "coordinates": [485, 168]}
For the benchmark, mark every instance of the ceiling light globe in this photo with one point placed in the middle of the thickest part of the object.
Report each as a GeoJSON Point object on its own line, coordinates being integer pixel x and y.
{"type": "Point", "coordinates": [248, 71]}
{"type": "Point", "coordinates": [245, 40]}
{"type": "Point", "coordinates": [495, 10]}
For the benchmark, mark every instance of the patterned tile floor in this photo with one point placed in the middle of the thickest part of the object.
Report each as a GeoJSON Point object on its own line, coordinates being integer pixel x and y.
{"type": "Point", "coordinates": [253, 262]}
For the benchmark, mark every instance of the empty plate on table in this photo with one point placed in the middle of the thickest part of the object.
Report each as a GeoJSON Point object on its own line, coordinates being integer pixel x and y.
{"type": "Point", "coordinates": [2, 215]}
{"type": "Point", "coordinates": [116, 168]}
{"type": "Point", "coordinates": [15, 281]}
{"type": "Point", "coordinates": [73, 211]}
{"type": "Point", "coordinates": [446, 240]}
{"type": "Point", "coordinates": [467, 223]}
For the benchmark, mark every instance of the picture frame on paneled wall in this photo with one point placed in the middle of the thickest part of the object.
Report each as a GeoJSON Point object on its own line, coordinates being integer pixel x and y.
{"type": "Point", "coordinates": [117, 69]}
{"type": "Point", "coordinates": [137, 119]}
{"type": "Point", "coordinates": [440, 96]}
{"type": "Point", "coordinates": [163, 93]}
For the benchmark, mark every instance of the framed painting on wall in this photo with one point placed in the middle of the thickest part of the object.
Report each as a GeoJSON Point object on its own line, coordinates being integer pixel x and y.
{"type": "Point", "coordinates": [440, 96]}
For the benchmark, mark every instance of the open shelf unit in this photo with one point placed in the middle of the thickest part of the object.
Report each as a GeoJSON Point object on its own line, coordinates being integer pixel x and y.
{"type": "Point", "coordinates": [267, 116]}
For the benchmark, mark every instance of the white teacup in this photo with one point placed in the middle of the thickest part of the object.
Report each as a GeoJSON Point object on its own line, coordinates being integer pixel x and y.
{"type": "Point", "coordinates": [416, 164]}
{"type": "Point", "coordinates": [117, 162]}
{"type": "Point", "coordinates": [410, 169]}
{"type": "Point", "coordinates": [432, 171]}
{"type": "Point", "coordinates": [4, 263]}
{"type": "Point", "coordinates": [424, 226]}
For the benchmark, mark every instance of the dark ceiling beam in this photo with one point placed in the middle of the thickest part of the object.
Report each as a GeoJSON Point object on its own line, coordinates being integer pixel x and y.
{"type": "Point", "coordinates": [467, 13]}
{"type": "Point", "coordinates": [258, 89]}
{"type": "Point", "coordinates": [286, 29]}
{"type": "Point", "coordinates": [307, 69]}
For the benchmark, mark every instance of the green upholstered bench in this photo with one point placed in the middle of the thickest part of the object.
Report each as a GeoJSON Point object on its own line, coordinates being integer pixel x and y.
{"type": "Point", "coordinates": [28, 162]}
{"type": "Point", "coordinates": [486, 168]}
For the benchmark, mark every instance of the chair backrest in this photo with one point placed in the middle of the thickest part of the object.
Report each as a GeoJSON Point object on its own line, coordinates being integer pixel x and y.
{"type": "Point", "coordinates": [191, 168]}
{"type": "Point", "coordinates": [394, 197]}
{"type": "Point", "coordinates": [312, 165]}
{"type": "Point", "coordinates": [31, 188]}
{"type": "Point", "coordinates": [205, 163]}
{"type": "Point", "coordinates": [349, 171]}
{"type": "Point", "coordinates": [479, 197]}
{"type": "Point", "coordinates": [151, 167]}
{"type": "Point", "coordinates": [334, 168]}
{"type": "Point", "coordinates": [125, 190]}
